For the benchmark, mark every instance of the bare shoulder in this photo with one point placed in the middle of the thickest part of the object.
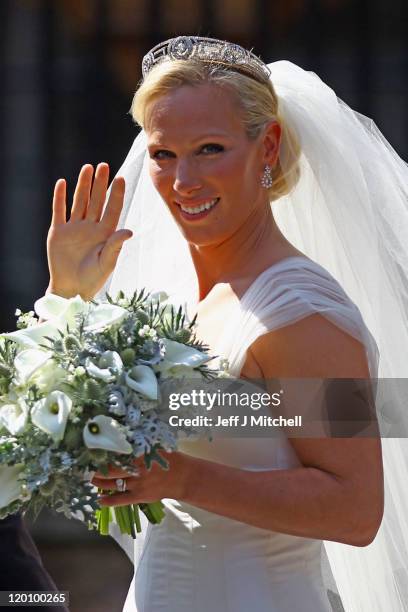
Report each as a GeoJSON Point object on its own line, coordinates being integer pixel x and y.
{"type": "Point", "coordinates": [312, 347]}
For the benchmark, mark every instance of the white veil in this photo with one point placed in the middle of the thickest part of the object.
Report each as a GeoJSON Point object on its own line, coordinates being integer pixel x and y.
{"type": "Point", "coordinates": [349, 213]}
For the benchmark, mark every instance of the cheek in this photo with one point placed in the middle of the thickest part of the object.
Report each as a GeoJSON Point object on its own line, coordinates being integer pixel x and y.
{"type": "Point", "coordinates": [237, 185]}
{"type": "Point", "coordinates": [160, 179]}
{"type": "Point", "coordinates": [236, 170]}
{"type": "Point", "coordinates": [226, 174]}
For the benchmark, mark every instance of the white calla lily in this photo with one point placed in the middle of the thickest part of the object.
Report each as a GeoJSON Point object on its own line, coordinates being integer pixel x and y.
{"type": "Point", "coordinates": [59, 313]}
{"type": "Point", "coordinates": [44, 307]}
{"type": "Point", "coordinates": [141, 378]}
{"type": "Point", "coordinates": [34, 335]}
{"type": "Point", "coordinates": [103, 315]}
{"type": "Point", "coordinates": [181, 355]}
{"type": "Point", "coordinates": [159, 296]}
{"type": "Point", "coordinates": [49, 377]}
{"type": "Point", "coordinates": [109, 365]}
{"type": "Point", "coordinates": [102, 373]}
{"type": "Point", "coordinates": [50, 306]}
{"type": "Point", "coordinates": [51, 414]}
{"type": "Point", "coordinates": [168, 370]}
{"type": "Point", "coordinates": [62, 312]}
{"type": "Point", "coordinates": [106, 433]}
{"type": "Point", "coordinates": [180, 360]}
{"type": "Point", "coordinates": [111, 359]}
{"type": "Point", "coordinates": [67, 317]}
{"type": "Point", "coordinates": [10, 487]}
{"type": "Point", "coordinates": [29, 361]}
{"type": "Point", "coordinates": [14, 416]}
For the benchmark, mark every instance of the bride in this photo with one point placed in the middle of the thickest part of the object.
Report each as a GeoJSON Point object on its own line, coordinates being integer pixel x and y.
{"type": "Point", "coordinates": [255, 198]}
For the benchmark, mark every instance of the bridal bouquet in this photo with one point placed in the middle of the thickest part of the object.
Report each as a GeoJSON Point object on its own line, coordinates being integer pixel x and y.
{"type": "Point", "coordinates": [85, 389]}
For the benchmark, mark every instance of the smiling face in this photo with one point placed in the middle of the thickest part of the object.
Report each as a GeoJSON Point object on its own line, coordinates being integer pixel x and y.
{"type": "Point", "coordinates": [201, 156]}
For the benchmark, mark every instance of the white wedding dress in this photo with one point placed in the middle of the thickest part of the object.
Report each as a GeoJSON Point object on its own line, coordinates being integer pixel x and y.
{"type": "Point", "coordinates": [198, 561]}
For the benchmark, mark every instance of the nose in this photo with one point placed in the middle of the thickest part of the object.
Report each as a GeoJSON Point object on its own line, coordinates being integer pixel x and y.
{"type": "Point", "coordinates": [186, 178]}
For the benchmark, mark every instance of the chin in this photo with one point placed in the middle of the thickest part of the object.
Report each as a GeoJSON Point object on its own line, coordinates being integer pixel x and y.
{"type": "Point", "coordinates": [206, 236]}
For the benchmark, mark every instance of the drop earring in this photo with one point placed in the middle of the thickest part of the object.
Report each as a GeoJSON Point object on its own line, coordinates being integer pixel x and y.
{"type": "Point", "coordinates": [267, 180]}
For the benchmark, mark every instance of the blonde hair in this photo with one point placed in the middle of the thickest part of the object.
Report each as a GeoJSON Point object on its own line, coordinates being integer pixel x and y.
{"type": "Point", "coordinates": [258, 103]}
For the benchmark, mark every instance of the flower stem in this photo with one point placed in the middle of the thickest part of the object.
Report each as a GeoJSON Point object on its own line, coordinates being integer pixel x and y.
{"type": "Point", "coordinates": [104, 517]}
{"type": "Point", "coordinates": [154, 511]}
{"type": "Point", "coordinates": [137, 518]}
{"type": "Point", "coordinates": [127, 517]}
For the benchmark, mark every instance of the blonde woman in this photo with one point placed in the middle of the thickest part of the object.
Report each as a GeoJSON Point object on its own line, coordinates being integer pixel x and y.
{"type": "Point", "coordinates": [255, 197]}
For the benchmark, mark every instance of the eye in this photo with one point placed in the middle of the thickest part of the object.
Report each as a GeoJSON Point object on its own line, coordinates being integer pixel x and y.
{"type": "Point", "coordinates": [212, 148]}
{"type": "Point", "coordinates": [162, 154]}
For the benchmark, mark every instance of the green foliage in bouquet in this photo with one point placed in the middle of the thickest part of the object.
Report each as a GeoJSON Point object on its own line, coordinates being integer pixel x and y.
{"type": "Point", "coordinates": [85, 390]}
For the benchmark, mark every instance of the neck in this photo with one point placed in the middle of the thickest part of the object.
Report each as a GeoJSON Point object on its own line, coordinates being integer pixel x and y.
{"type": "Point", "coordinates": [234, 258]}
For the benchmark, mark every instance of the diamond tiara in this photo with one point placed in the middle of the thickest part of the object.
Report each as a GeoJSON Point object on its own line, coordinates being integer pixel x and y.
{"type": "Point", "coordinates": [209, 50]}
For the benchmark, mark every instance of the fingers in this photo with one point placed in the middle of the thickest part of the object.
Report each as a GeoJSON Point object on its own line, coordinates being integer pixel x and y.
{"type": "Point", "coordinates": [115, 203]}
{"type": "Point", "coordinates": [59, 208]}
{"type": "Point", "coordinates": [110, 252]}
{"type": "Point", "coordinates": [82, 193]}
{"type": "Point", "coordinates": [105, 484]}
{"type": "Point", "coordinates": [119, 499]}
{"type": "Point", "coordinates": [117, 472]}
{"type": "Point", "coordinates": [109, 492]}
{"type": "Point", "coordinates": [112, 473]}
{"type": "Point", "coordinates": [98, 194]}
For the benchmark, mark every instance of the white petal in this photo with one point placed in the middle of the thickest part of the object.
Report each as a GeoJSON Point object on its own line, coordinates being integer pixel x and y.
{"type": "Point", "coordinates": [10, 488]}
{"type": "Point", "coordinates": [49, 377]}
{"type": "Point", "coordinates": [111, 359]}
{"type": "Point", "coordinates": [34, 335]}
{"type": "Point", "coordinates": [74, 306]}
{"type": "Point", "coordinates": [169, 370]}
{"type": "Point", "coordinates": [180, 354]}
{"type": "Point", "coordinates": [50, 306]}
{"type": "Point", "coordinates": [110, 436]}
{"type": "Point", "coordinates": [28, 361]}
{"type": "Point", "coordinates": [102, 373]}
{"type": "Point", "coordinates": [159, 296]}
{"type": "Point", "coordinates": [104, 315]}
{"type": "Point", "coordinates": [142, 379]}
{"type": "Point", "coordinates": [14, 417]}
{"type": "Point", "coordinates": [52, 423]}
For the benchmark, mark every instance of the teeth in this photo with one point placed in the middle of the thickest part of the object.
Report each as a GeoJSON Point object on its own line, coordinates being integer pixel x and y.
{"type": "Point", "coordinates": [198, 209]}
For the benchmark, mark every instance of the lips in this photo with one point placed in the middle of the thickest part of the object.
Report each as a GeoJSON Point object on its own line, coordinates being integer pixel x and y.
{"type": "Point", "coordinates": [197, 214]}
{"type": "Point", "coordinates": [197, 204]}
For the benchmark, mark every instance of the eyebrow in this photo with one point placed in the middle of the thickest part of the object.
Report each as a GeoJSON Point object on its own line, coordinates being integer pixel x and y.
{"type": "Point", "coordinates": [198, 139]}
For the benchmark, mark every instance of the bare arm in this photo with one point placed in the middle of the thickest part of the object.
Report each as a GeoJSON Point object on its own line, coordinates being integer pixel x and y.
{"type": "Point", "coordinates": [338, 493]}
{"type": "Point", "coordinates": [306, 501]}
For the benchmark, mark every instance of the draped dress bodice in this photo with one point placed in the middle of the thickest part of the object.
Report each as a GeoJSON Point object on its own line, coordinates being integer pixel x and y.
{"type": "Point", "coordinates": [196, 560]}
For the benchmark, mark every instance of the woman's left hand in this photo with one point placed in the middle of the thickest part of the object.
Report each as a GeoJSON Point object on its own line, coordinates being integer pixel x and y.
{"type": "Point", "coordinates": [150, 485]}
